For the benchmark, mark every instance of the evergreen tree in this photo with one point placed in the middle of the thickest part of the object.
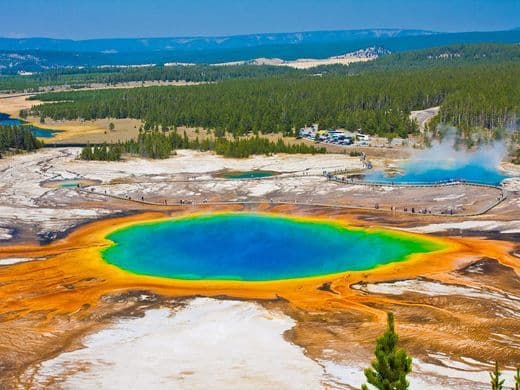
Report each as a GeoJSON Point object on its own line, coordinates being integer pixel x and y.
{"type": "Point", "coordinates": [496, 382]}
{"type": "Point", "coordinates": [104, 152]}
{"type": "Point", "coordinates": [391, 365]}
{"type": "Point", "coordinates": [86, 153]}
{"type": "Point", "coordinates": [470, 96]}
{"type": "Point", "coordinates": [517, 379]}
{"type": "Point", "coordinates": [447, 56]}
{"type": "Point", "coordinates": [18, 138]}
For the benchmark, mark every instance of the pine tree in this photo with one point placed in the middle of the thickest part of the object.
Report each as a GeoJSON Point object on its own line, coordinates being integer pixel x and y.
{"type": "Point", "coordinates": [517, 379]}
{"type": "Point", "coordinates": [86, 152]}
{"type": "Point", "coordinates": [391, 365]}
{"type": "Point", "coordinates": [496, 382]}
{"type": "Point", "coordinates": [19, 138]}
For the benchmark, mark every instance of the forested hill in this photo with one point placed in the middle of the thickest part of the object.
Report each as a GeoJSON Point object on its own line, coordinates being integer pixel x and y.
{"type": "Point", "coordinates": [76, 78]}
{"type": "Point", "coordinates": [485, 95]}
{"type": "Point", "coordinates": [453, 55]}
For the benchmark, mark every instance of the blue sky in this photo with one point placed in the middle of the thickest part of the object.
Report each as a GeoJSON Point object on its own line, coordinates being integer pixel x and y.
{"type": "Point", "coordinates": [82, 19]}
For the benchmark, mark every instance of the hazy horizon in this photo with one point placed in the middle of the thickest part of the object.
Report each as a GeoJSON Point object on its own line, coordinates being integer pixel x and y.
{"type": "Point", "coordinates": [97, 19]}
{"type": "Point", "coordinates": [249, 34]}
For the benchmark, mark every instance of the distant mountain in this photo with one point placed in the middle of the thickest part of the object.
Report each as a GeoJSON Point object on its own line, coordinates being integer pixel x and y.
{"type": "Point", "coordinates": [145, 45]}
{"type": "Point", "coordinates": [39, 54]}
{"type": "Point", "coordinates": [12, 62]}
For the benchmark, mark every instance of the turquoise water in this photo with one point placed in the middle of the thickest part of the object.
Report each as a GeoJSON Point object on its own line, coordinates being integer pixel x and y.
{"type": "Point", "coordinates": [254, 247]}
{"type": "Point", "coordinates": [69, 184]}
{"type": "Point", "coordinates": [248, 175]}
{"type": "Point", "coordinates": [6, 120]}
{"type": "Point", "coordinates": [474, 171]}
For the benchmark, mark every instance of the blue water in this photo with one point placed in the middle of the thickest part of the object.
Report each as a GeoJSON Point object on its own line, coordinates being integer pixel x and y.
{"type": "Point", "coordinates": [428, 172]}
{"type": "Point", "coordinates": [6, 120]}
{"type": "Point", "coordinates": [69, 184]}
{"type": "Point", "coordinates": [248, 175]}
{"type": "Point", "coordinates": [254, 247]}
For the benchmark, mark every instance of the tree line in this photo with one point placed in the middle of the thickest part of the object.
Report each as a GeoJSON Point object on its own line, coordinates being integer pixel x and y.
{"type": "Point", "coordinates": [436, 57]}
{"type": "Point", "coordinates": [102, 152]}
{"type": "Point", "coordinates": [453, 55]}
{"type": "Point", "coordinates": [159, 145]}
{"type": "Point", "coordinates": [377, 102]}
{"type": "Point", "coordinates": [17, 138]}
{"type": "Point", "coordinates": [78, 78]}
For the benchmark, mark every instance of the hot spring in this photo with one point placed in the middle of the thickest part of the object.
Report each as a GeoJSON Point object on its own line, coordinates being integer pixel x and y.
{"type": "Point", "coordinates": [248, 175]}
{"type": "Point", "coordinates": [442, 163]}
{"type": "Point", "coordinates": [255, 247]}
{"type": "Point", "coordinates": [427, 172]}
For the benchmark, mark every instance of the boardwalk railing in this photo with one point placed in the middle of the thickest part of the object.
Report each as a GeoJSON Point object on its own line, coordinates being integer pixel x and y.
{"type": "Point", "coordinates": [343, 179]}
{"type": "Point", "coordinates": [181, 203]}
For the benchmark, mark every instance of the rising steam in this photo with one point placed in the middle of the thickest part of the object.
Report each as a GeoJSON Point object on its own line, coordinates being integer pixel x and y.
{"type": "Point", "coordinates": [444, 162]}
